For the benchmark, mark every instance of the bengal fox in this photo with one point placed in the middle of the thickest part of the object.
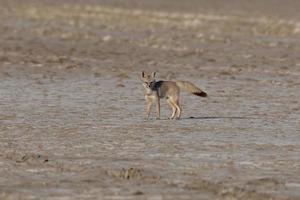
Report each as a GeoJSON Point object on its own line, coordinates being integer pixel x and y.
{"type": "Point", "coordinates": [155, 90]}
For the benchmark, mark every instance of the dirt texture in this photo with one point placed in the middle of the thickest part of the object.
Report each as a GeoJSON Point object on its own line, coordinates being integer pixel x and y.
{"type": "Point", "coordinates": [72, 104]}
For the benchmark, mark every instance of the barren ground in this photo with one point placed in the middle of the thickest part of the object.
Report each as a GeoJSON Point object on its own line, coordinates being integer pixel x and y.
{"type": "Point", "coordinates": [71, 101]}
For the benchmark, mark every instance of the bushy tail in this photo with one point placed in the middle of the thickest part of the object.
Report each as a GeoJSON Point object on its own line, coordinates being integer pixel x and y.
{"type": "Point", "coordinates": [190, 87]}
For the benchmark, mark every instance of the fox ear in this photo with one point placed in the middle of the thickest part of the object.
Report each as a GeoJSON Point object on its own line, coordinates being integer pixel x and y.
{"type": "Point", "coordinates": [143, 74]}
{"type": "Point", "coordinates": [153, 74]}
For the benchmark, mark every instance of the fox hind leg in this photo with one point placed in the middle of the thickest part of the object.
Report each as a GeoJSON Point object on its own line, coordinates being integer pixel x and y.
{"type": "Point", "coordinates": [174, 109]}
{"type": "Point", "coordinates": [178, 109]}
{"type": "Point", "coordinates": [175, 103]}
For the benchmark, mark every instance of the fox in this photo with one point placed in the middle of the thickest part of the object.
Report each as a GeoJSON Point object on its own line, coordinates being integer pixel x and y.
{"type": "Point", "coordinates": [156, 90]}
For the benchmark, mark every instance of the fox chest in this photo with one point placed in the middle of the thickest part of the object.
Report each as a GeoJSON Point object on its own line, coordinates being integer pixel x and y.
{"type": "Point", "coordinates": [154, 94]}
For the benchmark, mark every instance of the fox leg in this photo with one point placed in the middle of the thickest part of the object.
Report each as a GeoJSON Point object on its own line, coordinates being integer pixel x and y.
{"type": "Point", "coordinates": [178, 108]}
{"type": "Point", "coordinates": [158, 107]}
{"type": "Point", "coordinates": [148, 108]}
{"type": "Point", "coordinates": [175, 103]}
{"type": "Point", "coordinates": [173, 108]}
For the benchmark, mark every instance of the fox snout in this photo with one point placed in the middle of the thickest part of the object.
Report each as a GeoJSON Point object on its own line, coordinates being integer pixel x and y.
{"type": "Point", "coordinates": [147, 88]}
{"type": "Point", "coordinates": [147, 85]}
{"type": "Point", "coordinates": [150, 85]}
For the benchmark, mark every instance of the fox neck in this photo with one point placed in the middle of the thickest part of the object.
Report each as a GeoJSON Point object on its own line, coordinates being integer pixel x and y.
{"type": "Point", "coordinates": [149, 91]}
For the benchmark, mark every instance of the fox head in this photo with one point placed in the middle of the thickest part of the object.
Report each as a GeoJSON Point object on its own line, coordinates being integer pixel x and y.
{"type": "Point", "coordinates": [148, 80]}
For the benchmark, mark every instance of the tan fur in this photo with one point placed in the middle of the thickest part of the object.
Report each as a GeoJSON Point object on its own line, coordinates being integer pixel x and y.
{"type": "Point", "coordinates": [155, 90]}
{"type": "Point", "coordinates": [190, 87]}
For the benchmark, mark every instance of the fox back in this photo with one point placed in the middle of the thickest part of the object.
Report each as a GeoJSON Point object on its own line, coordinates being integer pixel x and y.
{"type": "Point", "coordinates": [159, 88]}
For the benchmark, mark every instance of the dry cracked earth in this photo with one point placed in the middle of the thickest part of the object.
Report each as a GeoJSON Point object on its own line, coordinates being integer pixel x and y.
{"type": "Point", "coordinates": [72, 105]}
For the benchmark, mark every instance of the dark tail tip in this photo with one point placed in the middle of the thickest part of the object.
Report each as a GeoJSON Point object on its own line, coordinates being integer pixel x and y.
{"type": "Point", "coordinates": [201, 94]}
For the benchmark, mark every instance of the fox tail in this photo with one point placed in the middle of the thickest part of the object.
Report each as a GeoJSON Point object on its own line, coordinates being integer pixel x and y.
{"type": "Point", "coordinates": [191, 88]}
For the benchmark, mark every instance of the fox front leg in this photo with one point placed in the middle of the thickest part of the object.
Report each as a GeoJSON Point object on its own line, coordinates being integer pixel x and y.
{"type": "Point", "coordinates": [148, 107]}
{"type": "Point", "coordinates": [158, 108]}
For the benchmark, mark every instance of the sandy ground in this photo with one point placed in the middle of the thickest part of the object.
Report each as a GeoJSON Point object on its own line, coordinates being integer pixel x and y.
{"type": "Point", "coordinates": [71, 121]}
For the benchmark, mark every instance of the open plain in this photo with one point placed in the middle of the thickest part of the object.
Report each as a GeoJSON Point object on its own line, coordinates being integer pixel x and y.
{"type": "Point", "coordinates": [72, 105]}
